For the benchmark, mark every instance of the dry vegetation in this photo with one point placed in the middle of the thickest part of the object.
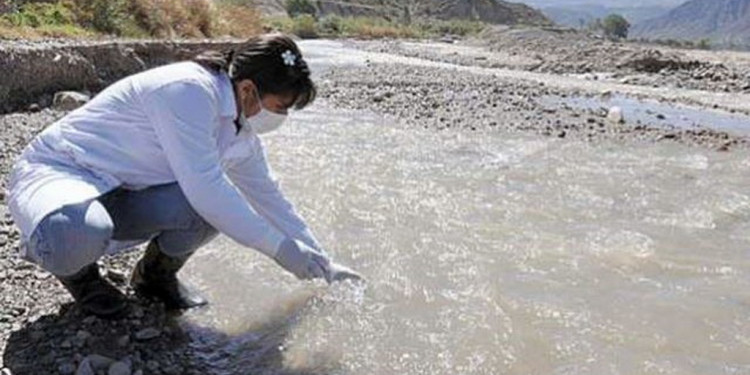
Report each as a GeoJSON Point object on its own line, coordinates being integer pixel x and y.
{"type": "Point", "coordinates": [127, 18]}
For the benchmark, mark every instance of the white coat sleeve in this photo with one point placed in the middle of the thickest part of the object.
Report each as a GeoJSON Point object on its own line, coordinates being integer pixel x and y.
{"type": "Point", "coordinates": [184, 115]}
{"type": "Point", "coordinates": [255, 179]}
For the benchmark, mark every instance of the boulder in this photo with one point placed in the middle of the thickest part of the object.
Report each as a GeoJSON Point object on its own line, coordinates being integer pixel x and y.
{"type": "Point", "coordinates": [69, 100]}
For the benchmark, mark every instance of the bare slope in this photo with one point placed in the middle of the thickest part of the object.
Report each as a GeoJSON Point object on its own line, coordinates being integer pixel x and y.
{"type": "Point", "coordinates": [723, 21]}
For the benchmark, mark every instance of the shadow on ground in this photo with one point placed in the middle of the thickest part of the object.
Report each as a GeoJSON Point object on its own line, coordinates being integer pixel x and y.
{"type": "Point", "coordinates": [154, 342]}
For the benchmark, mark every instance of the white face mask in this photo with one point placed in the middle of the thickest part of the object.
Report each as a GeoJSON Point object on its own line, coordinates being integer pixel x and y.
{"type": "Point", "coordinates": [264, 121]}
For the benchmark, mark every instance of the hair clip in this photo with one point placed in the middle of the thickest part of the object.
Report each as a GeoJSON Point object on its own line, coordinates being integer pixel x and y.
{"type": "Point", "coordinates": [289, 58]}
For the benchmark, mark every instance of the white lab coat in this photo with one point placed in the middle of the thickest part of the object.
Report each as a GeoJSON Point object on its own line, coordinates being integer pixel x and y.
{"type": "Point", "coordinates": [172, 123]}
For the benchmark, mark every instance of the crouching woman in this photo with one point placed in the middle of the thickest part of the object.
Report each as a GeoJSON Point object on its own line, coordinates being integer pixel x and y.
{"type": "Point", "coordinates": [170, 156]}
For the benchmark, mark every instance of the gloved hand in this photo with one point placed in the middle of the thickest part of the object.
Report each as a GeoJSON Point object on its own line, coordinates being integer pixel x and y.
{"type": "Point", "coordinates": [307, 263]}
{"type": "Point", "coordinates": [338, 272]}
{"type": "Point", "coordinates": [301, 260]}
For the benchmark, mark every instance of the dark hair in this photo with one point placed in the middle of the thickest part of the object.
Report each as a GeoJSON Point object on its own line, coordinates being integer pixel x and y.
{"type": "Point", "coordinates": [265, 61]}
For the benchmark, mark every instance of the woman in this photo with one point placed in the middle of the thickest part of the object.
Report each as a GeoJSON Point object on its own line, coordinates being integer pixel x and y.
{"type": "Point", "coordinates": [170, 156]}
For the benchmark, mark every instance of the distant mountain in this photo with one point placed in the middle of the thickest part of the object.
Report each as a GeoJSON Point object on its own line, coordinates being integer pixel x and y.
{"type": "Point", "coordinates": [725, 22]}
{"type": "Point", "coordinates": [581, 15]}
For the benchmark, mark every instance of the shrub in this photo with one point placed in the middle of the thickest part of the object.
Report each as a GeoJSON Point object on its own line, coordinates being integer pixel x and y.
{"type": "Point", "coordinates": [304, 26]}
{"type": "Point", "coordinates": [331, 25]}
{"type": "Point", "coordinates": [237, 20]}
{"type": "Point", "coordinates": [616, 26]}
{"type": "Point", "coordinates": [704, 44]}
{"type": "Point", "coordinates": [300, 7]}
{"type": "Point", "coordinates": [39, 14]}
{"type": "Point", "coordinates": [174, 18]}
{"type": "Point", "coordinates": [106, 16]}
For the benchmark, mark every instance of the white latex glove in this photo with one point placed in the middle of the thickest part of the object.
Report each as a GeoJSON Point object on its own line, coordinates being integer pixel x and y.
{"type": "Point", "coordinates": [338, 272]}
{"type": "Point", "coordinates": [307, 263]}
{"type": "Point", "coordinates": [302, 261]}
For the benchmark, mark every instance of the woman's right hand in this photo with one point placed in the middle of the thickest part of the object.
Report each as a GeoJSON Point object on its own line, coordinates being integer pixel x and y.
{"type": "Point", "coordinates": [302, 260]}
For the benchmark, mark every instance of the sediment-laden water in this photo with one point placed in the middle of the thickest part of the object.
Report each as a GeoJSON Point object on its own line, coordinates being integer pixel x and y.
{"type": "Point", "coordinates": [490, 253]}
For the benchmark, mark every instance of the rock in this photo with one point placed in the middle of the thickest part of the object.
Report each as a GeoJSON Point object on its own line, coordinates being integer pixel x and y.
{"type": "Point", "coordinates": [123, 341]}
{"type": "Point", "coordinates": [85, 368]}
{"type": "Point", "coordinates": [66, 344]}
{"type": "Point", "coordinates": [152, 365]}
{"type": "Point", "coordinates": [5, 371]}
{"type": "Point", "coordinates": [119, 368]}
{"type": "Point", "coordinates": [147, 334]}
{"type": "Point", "coordinates": [139, 372]}
{"type": "Point", "coordinates": [90, 320]}
{"type": "Point", "coordinates": [98, 362]}
{"type": "Point", "coordinates": [616, 116]}
{"type": "Point", "coordinates": [661, 117]}
{"type": "Point", "coordinates": [81, 338]}
{"type": "Point", "coordinates": [117, 276]}
{"type": "Point", "coordinates": [34, 107]}
{"type": "Point", "coordinates": [69, 100]}
{"type": "Point", "coordinates": [66, 368]}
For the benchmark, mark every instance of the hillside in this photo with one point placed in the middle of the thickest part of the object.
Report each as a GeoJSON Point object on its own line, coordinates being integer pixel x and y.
{"type": "Point", "coordinates": [581, 15]}
{"type": "Point", "coordinates": [725, 22]}
{"type": "Point", "coordinates": [490, 11]}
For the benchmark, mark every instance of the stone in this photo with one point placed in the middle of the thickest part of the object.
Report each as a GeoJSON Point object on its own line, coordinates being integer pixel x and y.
{"type": "Point", "coordinates": [6, 371]}
{"type": "Point", "coordinates": [152, 365]}
{"type": "Point", "coordinates": [147, 334]}
{"type": "Point", "coordinates": [66, 368]}
{"type": "Point", "coordinates": [139, 372]}
{"type": "Point", "coordinates": [117, 276]}
{"type": "Point", "coordinates": [85, 368]}
{"type": "Point", "coordinates": [69, 100]}
{"type": "Point", "coordinates": [34, 107]}
{"type": "Point", "coordinates": [616, 115]}
{"type": "Point", "coordinates": [83, 335]}
{"type": "Point", "coordinates": [98, 362]}
{"type": "Point", "coordinates": [119, 368]}
{"type": "Point", "coordinates": [123, 341]}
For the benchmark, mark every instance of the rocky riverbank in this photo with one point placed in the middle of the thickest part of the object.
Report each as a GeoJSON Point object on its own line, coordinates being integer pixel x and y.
{"type": "Point", "coordinates": [42, 68]}
{"type": "Point", "coordinates": [449, 99]}
{"type": "Point", "coordinates": [570, 52]}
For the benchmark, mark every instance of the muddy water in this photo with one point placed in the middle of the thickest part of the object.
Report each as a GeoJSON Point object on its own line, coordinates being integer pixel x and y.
{"type": "Point", "coordinates": [490, 253]}
{"type": "Point", "coordinates": [657, 114]}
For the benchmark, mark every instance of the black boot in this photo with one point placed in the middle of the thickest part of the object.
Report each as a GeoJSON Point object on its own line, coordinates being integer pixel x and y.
{"type": "Point", "coordinates": [94, 294]}
{"type": "Point", "coordinates": [155, 276]}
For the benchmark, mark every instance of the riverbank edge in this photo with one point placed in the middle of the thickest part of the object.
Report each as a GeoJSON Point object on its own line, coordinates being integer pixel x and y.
{"type": "Point", "coordinates": [34, 72]}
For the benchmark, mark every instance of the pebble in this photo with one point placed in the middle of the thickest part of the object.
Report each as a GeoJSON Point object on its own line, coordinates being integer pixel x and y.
{"type": "Point", "coordinates": [147, 334]}
{"type": "Point", "coordinates": [123, 341]}
{"type": "Point", "coordinates": [66, 368]}
{"type": "Point", "coordinates": [119, 368]}
{"type": "Point", "coordinates": [117, 276]}
{"type": "Point", "coordinates": [83, 335]}
{"type": "Point", "coordinates": [85, 368]}
{"type": "Point", "coordinates": [69, 100]}
{"type": "Point", "coordinates": [616, 115]}
{"type": "Point", "coordinates": [98, 361]}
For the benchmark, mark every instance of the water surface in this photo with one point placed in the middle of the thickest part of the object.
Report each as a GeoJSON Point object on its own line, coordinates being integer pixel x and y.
{"type": "Point", "coordinates": [490, 253]}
